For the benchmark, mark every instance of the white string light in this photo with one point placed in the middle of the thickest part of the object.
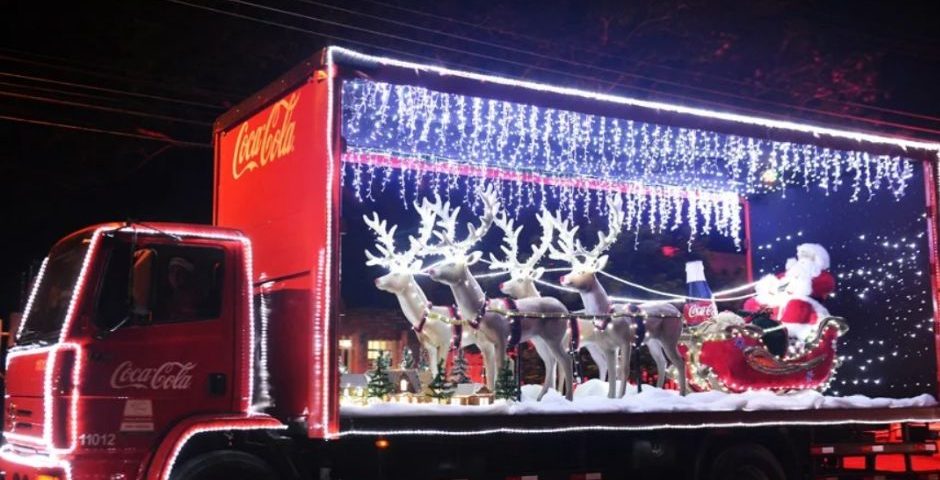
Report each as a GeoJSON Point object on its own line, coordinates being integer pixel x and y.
{"type": "Point", "coordinates": [620, 428]}
{"type": "Point", "coordinates": [653, 106]}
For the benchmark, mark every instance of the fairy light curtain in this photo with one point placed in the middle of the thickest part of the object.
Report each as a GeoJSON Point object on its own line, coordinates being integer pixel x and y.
{"type": "Point", "coordinates": [669, 176]}
{"type": "Point", "coordinates": [880, 257]}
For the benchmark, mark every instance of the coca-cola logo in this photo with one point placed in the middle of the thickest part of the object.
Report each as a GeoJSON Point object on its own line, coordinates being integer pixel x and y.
{"type": "Point", "coordinates": [169, 376]}
{"type": "Point", "coordinates": [273, 139]}
{"type": "Point", "coordinates": [699, 311]}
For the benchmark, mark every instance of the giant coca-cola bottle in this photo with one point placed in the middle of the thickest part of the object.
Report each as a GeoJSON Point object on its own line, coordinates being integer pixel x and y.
{"type": "Point", "coordinates": [701, 306]}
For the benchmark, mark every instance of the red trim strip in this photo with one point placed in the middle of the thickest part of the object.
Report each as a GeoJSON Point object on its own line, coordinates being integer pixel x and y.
{"type": "Point", "coordinates": [382, 160]}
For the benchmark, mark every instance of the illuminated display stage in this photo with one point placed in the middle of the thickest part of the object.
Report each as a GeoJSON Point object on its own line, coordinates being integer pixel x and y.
{"type": "Point", "coordinates": [458, 193]}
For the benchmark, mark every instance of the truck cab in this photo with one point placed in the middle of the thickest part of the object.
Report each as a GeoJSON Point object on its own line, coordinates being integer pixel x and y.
{"type": "Point", "coordinates": [130, 330]}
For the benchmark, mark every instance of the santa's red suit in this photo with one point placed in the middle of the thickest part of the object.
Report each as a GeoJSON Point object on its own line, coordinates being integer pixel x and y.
{"type": "Point", "coordinates": [808, 282]}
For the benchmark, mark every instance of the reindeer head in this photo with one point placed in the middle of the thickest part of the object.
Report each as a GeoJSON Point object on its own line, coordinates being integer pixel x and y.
{"type": "Point", "coordinates": [585, 263]}
{"type": "Point", "coordinates": [452, 270]}
{"type": "Point", "coordinates": [401, 265]}
{"type": "Point", "coordinates": [522, 275]}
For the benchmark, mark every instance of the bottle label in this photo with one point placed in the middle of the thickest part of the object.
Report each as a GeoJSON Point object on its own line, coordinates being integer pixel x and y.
{"type": "Point", "coordinates": [698, 311]}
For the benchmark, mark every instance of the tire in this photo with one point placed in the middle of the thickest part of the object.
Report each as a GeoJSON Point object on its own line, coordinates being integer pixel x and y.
{"type": "Point", "coordinates": [746, 462]}
{"type": "Point", "coordinates": [225, 465]}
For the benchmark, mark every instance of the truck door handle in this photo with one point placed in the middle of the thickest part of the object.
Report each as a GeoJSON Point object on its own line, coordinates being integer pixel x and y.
{"type": "Point", "coordinates": [217, 384]}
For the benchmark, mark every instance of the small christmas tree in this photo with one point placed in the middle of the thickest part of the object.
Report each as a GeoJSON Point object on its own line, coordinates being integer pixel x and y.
{"type": "Point", "coordinates": [439, 388]}
{"type": "Point", "coordinates": [458, 372]}
{"type": "Point", "coordinates": [507, 387]}
{"type": "Point", "coordinates": [407, 359]}
{"type": "Point", "coordinates": [380, 386]}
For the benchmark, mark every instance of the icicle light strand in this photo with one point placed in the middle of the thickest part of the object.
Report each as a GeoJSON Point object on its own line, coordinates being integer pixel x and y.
{"type": "Point", "coordinates": [415, 121]}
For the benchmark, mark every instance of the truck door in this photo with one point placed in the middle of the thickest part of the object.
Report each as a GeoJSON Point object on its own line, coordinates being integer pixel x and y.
{"type": "Point", "coordinates": [163, 345]}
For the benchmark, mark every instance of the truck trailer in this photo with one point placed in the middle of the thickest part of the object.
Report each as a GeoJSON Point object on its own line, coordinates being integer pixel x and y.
{"type": "Point", "coordinates": [370, 212]}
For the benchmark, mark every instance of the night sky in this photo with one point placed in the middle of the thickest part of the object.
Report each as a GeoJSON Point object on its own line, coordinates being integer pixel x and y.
{"type": "Point", "coordinates": [107, 106]}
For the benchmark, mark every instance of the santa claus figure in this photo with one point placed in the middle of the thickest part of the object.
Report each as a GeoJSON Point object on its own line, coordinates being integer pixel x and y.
{"type": "Point", "coordinates": [768, 296]}
{"type": "Point", "coordinates": [761, 310]}
{"type": "Point", "coordinates": [808, 282]}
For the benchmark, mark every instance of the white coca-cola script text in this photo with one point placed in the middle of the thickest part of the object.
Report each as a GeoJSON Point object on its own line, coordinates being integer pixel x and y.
{"type": "Point", "coordinates": [273, 139]}
{"type": "Point", "coordinates": [696, 310]}
{"type": "Point", "coordinates": [169, 376]}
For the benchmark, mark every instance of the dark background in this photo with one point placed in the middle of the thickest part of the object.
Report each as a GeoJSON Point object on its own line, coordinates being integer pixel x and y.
{"type": "Point", "coordinates": [106, 106]}
{"type": "Point", "coordinates": [879, 253]}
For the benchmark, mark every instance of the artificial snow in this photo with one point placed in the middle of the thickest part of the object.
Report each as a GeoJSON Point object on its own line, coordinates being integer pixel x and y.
{"type": "Point", "coordinates": [591, 397]}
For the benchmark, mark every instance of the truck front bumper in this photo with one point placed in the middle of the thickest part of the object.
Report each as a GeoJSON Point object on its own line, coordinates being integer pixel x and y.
{"type": "Point", "coordinates": [24, 466]}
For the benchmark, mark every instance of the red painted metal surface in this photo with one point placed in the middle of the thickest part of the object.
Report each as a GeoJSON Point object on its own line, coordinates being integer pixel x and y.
{"type": "Point", "coordinates": [273, 182]}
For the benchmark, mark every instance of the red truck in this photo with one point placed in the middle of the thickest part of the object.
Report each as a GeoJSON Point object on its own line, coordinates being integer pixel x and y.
{"type": "Point", "coordinates": [169, 351]}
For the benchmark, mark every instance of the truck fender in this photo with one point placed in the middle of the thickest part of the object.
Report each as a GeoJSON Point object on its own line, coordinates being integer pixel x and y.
{"type": "Point", "coordinates": [161, 462]}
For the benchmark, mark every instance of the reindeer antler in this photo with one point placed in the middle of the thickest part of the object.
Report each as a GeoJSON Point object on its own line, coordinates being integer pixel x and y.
{"type": "Point", "coordinates": [417, 244]}
{"type": "Point", "coordinates": [570, 249]}
{"type": "Point", "coordinates": [448, 223]}
{"type": "Point", "coordinates": [568, 246]}
{"type": "Point", "coordinates": [615, 219]}
{"type": "Point", "coordinates": [510, 245]}
{"type": "Point", "coordinates": [548, 230]}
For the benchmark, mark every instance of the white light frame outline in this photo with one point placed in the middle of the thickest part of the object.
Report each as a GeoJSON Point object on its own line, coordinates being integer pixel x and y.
{"type": "Point", "coordinates": [814, 130]}
{"type": "Point", "coordinates": [327, 394]}
{"type": "Point", "coordinates": [32, 296]}
{"type": "Point", "coordinates": [627, 428]}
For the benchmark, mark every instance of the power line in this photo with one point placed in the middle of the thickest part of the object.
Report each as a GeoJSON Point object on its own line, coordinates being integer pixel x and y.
{"type": "Point", "coordinates": [67, 126]}
{"type": "Point", "coordinates": [604, 54]}
{"type": "Point", "coordinates": [594, 67]}
{"type": "Point", "coordinates": [109, 90]}
{"type": "Point", "coordinates": [546, 69]}
{"type": "Point", "coordinates": [59, 65]}
{"type": "Point", "coordinates": [58, 91]}
{"type": "Point", "coordinates": [102, 108]}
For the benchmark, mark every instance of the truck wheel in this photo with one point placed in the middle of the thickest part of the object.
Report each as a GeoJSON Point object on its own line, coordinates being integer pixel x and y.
{"type": "Point", "coordinates": [225, 465]}
{"type": "Point", "coordinates": [746, 462]}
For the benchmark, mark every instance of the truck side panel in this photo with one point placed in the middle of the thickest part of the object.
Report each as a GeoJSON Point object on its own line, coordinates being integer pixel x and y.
{"type": "Point", "coordinates": [273, 182]}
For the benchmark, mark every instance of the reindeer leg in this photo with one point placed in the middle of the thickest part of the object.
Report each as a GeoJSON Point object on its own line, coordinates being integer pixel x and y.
{"type": "Point", "coordinates": [499, 357]}
{"type": "Point", "coordinates": [432, 358]}
{"type": "Point", "coordinates": [611, 358]}
{"type": "Point", "coordinates": [597, 354]}
{"type": "Point", "coordinates": [656, 350]}
{"type": "Point", "coordinates": [672, 351]}
{"type": "Point", "coordinates": [625, 351]}
{"type": "Point", "coordinates": [489, 364]}
{"type": "Point", "coordinates": [564, 361]}
{"type": "Point", "coordinates": [550, 365]}
{"type": "Point", "coordinates": [442, 353]}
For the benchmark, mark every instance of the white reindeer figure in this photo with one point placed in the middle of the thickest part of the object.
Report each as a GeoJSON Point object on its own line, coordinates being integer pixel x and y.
{"type": "Point", "coordinates": [434, 334]}
{"type": "Point", "coordinates": [521, 284]}
{"type": "Point", "coordinates": [494, 328]}
{"type": "Point", "coordinates": [617, 331]}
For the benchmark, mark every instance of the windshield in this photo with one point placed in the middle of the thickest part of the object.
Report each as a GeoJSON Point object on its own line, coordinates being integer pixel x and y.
{"type": "Point", "coordinates": [54, 292]}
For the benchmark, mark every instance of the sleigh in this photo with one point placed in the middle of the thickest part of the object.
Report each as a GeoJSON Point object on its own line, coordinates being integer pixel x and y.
{"type": "Point", "coordinates": [734, 359]}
